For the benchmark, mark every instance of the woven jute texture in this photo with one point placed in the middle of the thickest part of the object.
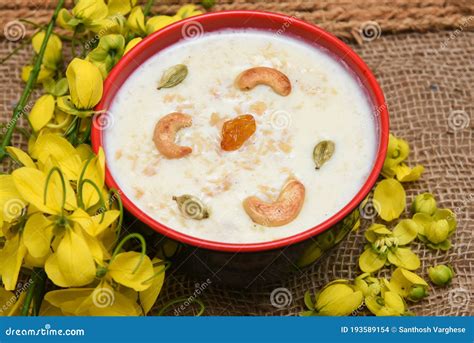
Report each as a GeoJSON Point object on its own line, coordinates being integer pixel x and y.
{"type": "Point", "coordinates": [428, 83]}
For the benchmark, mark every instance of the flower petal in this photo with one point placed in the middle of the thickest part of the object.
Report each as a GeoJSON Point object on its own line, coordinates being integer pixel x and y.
{"type": "Point", "coordinates": [37, 235]}
{"type": "Point", "coordinates": [123, 269]}
{"type": "Point", "coordinates": [148, 296]}
{"type": "Point", "coordinates": [406, 231]}
{"type": "Point", "coordinates": [11, 258]}
{"type": "Point", "coordinates": [21, 156]}
{"type": "Point", "coordinates": [73, 263]}
{"type": "Point", "coordinates": [406, 174]}
{"type": "Point", "coordinates": [370, 261]}
{"type": "Point", "coordinates": [390, 198]}
{"type": "Point", "coordinates": [404, 257]}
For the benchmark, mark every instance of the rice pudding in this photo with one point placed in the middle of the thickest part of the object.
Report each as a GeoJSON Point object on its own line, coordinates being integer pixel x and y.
{"type": "Point", "coordinates": [326, 103]}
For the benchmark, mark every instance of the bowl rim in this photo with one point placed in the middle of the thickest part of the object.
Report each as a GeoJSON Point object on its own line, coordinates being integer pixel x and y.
{"type": "Point", "coordinates": [378, 101]}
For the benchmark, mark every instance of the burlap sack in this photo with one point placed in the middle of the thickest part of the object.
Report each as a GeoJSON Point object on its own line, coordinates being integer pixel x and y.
{"type": "Point", "coordinates": [427, 79]}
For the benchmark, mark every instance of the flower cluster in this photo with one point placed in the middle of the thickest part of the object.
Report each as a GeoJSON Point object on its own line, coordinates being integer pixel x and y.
{"type": "Point", "coordinates": [59, 221]}
{"type": "Point", "coordinates": [386, 247]}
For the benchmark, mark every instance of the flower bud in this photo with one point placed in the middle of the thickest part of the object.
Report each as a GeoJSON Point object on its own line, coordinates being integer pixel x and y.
{"type": "Point", "coordinates": [417, 292]}
{"type": "Point", "coordinates": [424, 203]}
{"type": "Point", "coordinates": [85, 83]}
{"type": "Point", "coordinates": [53, 53]}
{"type": "Point", "coordinates": [441, 275]}
{"type": "Point", "coordinates": [437, 231]}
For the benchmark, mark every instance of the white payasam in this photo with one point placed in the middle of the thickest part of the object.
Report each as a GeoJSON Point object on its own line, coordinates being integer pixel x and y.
{"type": "Point", "coordinates": [326, 103]}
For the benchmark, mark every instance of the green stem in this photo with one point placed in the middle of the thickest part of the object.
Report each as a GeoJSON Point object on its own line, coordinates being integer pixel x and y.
{"type": "Point", "coordinates": [147, 9]}
{"type": "Point", "coordinates": [17, 112]}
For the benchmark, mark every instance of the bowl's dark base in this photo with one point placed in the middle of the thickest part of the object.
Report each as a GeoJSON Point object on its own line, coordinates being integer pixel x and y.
{"type": "Point", "coordinates": [243, 270]}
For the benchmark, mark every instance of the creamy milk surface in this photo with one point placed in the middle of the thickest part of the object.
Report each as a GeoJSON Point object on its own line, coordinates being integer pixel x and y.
{"type": "Point", "coordinates": [326, 102]}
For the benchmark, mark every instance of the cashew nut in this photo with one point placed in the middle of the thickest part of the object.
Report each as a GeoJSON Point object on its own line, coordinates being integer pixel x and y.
{"type": "Point", "coordinates": [284, 210]}
{"type": "Point", "coordinates": [165, 135]}
{"type": "Point", "coordinates": [252, 77]}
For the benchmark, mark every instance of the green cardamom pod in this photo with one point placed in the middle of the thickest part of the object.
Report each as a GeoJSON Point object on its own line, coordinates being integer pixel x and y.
{"type": "Point", "coordinates": [191, 207]}
{"type": "Point", "coordinates": [173, 76]}
{"type": "Point", "coordinates": [322, 152]}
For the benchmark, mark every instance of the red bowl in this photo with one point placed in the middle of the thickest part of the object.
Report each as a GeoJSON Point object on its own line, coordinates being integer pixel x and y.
{"type": "Point", "coordinates": [270, 22]}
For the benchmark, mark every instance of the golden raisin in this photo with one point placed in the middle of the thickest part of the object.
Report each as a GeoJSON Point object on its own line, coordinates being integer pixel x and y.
{"type": "Point", "coordinates": [236, 131]}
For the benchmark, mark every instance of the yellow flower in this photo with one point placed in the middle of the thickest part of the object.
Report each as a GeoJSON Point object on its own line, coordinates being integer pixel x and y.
{"type": "Point", "coordinates": [53, 52]}
{"type": "Point", "coordinates": [120, 6]}
{"type": "Point", "coordinates": [132, 44]}
{"type": "Point", "coordinates": [387, 247]}
{"type": "Point", "coordinates": [158, 22]}
{"type": "Point", "coordinates": [135, 278]}
{"type": "Point", "coordinates": [53, 150]}
{"type": "Point", "coordinates": [337, 298]}
{"type": "Point", "coordinates": [42, 112]}
{"type": "Point", "coordinates": [408, 285]}
{"type": "Point", "coordinates": [389, 199]}
{"type": "Point", "coordinates": [85, 84]}
{"type": "Point", "coordinates": [397, 151]}
{"type": "Point", "coordinates": [389, 304]}
{"type": "Point", "coordinates": [103, 300]}
{"type": "Point", "coordinates": [406, 174]}
{"type": "Point", "coordinates": [107, 53]}
{"type": "Point", "coordinates": [424, 203]}
{"type": "Point", "coordinates": [435, 230]}
{"type": "Point", "coordinates": [136, 21]}
{"type": "Point", "coordinates": [72, 264]}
